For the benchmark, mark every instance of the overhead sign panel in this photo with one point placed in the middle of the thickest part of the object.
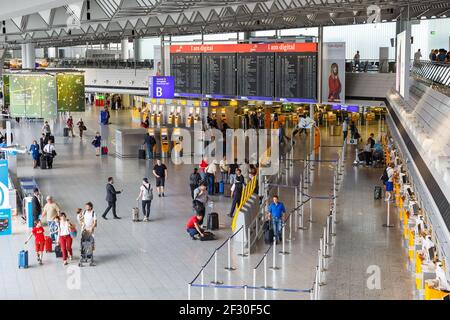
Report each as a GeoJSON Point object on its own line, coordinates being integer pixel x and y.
{"type": "Point", "coordinates": [245, 48]}
{"type": "Point", "coordinates": [161, 87]}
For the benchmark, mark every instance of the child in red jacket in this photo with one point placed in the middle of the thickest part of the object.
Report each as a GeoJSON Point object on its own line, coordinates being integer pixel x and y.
{"type": "Point", "coordinates": [39, 241]}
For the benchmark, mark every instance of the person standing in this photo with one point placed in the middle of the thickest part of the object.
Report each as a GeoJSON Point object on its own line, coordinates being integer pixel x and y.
{"type": "Point", "coordinates": [232, 171]}
{"type": "Point", "coordinates": [65, 240]}
{"type": "Point", "coordinates": [210, 176]}
{"type": "Point", "coordinates": [50, 153]}
{"type": "Point", "coordinates": [36, 204]}
{"type": "Point", "coordinates": [146, 193]}
{"type": "Point", "coordinates": [390, 181]}
{"type": "Point", "coordinates": [356, 59]}
{"type": "Point", "coordinates": [97, 142]}
{"type": "Point", "coordinates": [34, 150]}
{"type": "Point", "coordinates": [236, 192]}
{"type": "Point", "coordinates": [160, 172]}
{"type": "Point", "coordinates": [345, 129]}
{"type": "Point", "coordinates": [417, 57]}
{"type": "Point", "coordinates": [353, 130]}
{"type": "Point", "coordinates": [111, 198]}
{"type": "Point", "coordinates": [46, 130]}
{"type": "Point", "coordinates": [39, 240]}
{"type": "Point", "coordinates": [150, 141]}
{"type": "Point", "coordinates": [203, 165]}
{"type": "Point", "coordinates": [81, 127]}
{"type": "Point", "coordinates": [69, 124]}
{"type": "Point", "coordinates": [87, 218]}
{"type": "Point", "coordinates": [223, 165]}
{"type": "Point", "coordinates": [245, 167]}
{"type": "Point", "coordinates": [275, 211]}
{"type": "Point", "coordinates": [194, 181]}
{"type": "Point", "coordinates": [43, 141]}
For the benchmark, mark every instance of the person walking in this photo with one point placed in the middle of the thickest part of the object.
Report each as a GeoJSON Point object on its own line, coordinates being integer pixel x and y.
{"type": "Point", "coordinates": [46, 130]}
{"type": "Point", "coordinates": [65, 240]}
{"type": "Point", "coordinates": [87, 218]}
{"type": "Point", "coordinates": [194, 181]}
{"type": "Point", "coordinates": [160, 172]}
{"type": "Point", "coordinates": [150, 142]}
{"type": "Point", "coordinates": [96, 143]}
{"type": "Point", "coordinates": [203, 165]}
{"type": "Point", "coordinates": [211, 170]}
{"type": "Point", "coordinates": [111, 198]}
{"type": "Point", "coordinates": [36, 204]}
{"type": "Point", "coordinates": [81, 127]}
{"type": "Point", "coordinates": [50, 153]}
{"type": "Point", "coordinates": [236, 192]}
{"type": "Point", "coordinates": [50, 211]}
{"type": "Point", "coordinates": [146, 194]}
{"type": "Point", "coordinates": [417, 57]}
{"type": "Point", "coordinates": [275, 213]}
{"type": "Point", "coordinates": [69, 124]}
{"type": "Point", "coordinates": [34, 150]}
{"type": "Point", "coordinates": [39, 240]}
{"type": "Point", "coordinates": [43, 141]}
{"type": "Point", "coordinates": [390, 181]}
{"type": "Point", "coordinates": [356, 59]}
{"type": "Point", "coordinates": [345, 129]}
{"type": "Point", "coordinates": [353, 130]}
{"type": "Point", "coordinates": [223, 166]}
{"type": "Point", "coordinates": [232, 170]}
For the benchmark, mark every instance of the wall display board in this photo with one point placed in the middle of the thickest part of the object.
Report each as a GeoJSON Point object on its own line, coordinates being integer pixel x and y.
{"type": "Point", "coordinates": [186, 69]}
{"type": "Point", "coordinates": [219, 74]}
{"type": "Point", "coordinates": [6, 90]}
{"type": "Point", "coordinates": [256, 75]}
{"type": "Point", "coordinates": [246, 71]}
{"type": "Point", "coordinates": [333, 72]}
{"type": "Point", "coordinates": [70, 92]}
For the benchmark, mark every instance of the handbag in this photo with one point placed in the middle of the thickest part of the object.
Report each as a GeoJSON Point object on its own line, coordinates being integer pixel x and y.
{"type": "Point", "coordinates": [83, 127]}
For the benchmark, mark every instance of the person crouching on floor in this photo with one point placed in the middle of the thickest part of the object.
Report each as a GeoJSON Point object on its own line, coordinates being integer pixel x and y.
{"type": "Point", "coordinates": [193, 226]}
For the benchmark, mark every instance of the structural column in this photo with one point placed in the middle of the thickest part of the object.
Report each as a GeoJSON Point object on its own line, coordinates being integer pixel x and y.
{"type": "Point", "coordinates": [320, 65]}
{"type": "Point", "coordinates": [28, 56]}
{"type": "Point", "coordinates": [137, 49]}
{"type": "Point", "coordinates": [125, 52]}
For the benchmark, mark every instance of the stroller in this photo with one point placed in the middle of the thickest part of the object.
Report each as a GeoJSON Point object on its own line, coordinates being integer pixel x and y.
{"type": "Point", "coordinates": [87, 248]}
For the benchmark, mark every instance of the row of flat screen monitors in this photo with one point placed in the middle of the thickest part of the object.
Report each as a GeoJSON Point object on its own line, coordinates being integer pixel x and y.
{"type": "Point", "coordinates": [253, 75]}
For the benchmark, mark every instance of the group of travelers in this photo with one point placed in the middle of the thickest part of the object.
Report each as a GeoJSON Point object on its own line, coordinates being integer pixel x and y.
{"type": "Point", "coordinates": [439, 55]}
{"type": "Point", "coordinates": [80, 124]}
{"type": "Point", "coordinates": [50, 219]}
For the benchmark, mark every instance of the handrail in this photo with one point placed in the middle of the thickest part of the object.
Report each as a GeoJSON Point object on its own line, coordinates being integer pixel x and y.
{"type": "Point", "coordinates": [246, 194]}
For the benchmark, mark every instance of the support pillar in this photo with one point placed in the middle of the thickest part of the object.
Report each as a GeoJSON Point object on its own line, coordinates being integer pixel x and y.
{"type": "Point", "coordinates": [124, 48]}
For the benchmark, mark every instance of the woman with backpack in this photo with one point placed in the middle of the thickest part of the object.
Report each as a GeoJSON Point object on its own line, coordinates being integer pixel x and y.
{"type": "Point", "coordinates": [146, 193]}
{"type": "Point", "coordinates": [97, 142]}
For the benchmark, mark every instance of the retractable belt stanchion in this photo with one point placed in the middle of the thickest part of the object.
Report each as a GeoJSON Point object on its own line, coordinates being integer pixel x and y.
{"type": "Point", "coordinates": [265, 271]}
{"type": "Point", "coordinates": [245, 292]}
{"type": "Point", "coordinates": [202, 277]}
{"type": "Point", "coordinates": [254, 283]}
{"type": "Point", "coordinates": [215, 269]}
{"type": "Point", "coordinates": [249, 242]}
{"type": "Point", "coordinates": [229, 267]}
{"type": "Point", "coordinates": [283, 237]}
{"type": "Point", "coordinates": [243, 254]}
{"type": "Point", "coordinates": [189, 291]}
{"type": "Point", "coordinates": [387, 224]}
{"type": "Point", "coordinates": [274, 254]}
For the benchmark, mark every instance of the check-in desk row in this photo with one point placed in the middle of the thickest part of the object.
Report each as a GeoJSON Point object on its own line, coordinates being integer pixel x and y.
{"type": "Point", "coordinates": [425, 272]}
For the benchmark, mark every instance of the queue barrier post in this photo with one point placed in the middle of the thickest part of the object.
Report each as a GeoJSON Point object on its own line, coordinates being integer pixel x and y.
{"type": "Point", "coordinates": [254, 283]}
{"type": "Point", "coordinates": [249, 243]}
{"type": "Point", "coordinates": [283, 232]}
{"type": "Point", "coordinates": [274, 255]}
{"type": "Point", "coordinates": [387, 224]}
{"type": "Point", "coordinates": [189, 291]}
{"type": "Point", "coordinates": [245, 292]}
{"type": "Point", "coordinates": [311, 211]}
{"type": "Point", "coordinates": [243, 254]}
{"type": "Point", "coordinates": [215, 269]}
{"type": "Point", "coordinates": [290, 228]}
{"type": "Point", "coordinates": [229, 267]}
{"type": "Point", "coordinates": [265, 271]}
{"type": "Point", "coordinates": [202, 279]}
{"type": "Point", "coordinates": [325, 242]}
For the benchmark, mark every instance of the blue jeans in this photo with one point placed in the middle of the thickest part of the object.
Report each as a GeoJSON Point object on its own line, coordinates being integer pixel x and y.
{"type": "Point", "coordinates": [277, 224]}
{"type": "Point", "coordinates": [192, 231]}
{"type": "Point", "coordinates": [210, 183]}
{"type": "Point", "coordinates": [150, 151]}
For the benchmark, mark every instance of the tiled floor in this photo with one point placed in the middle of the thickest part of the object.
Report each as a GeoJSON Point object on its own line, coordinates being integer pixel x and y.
{"type": "Point", "coordinates": [157, 260]}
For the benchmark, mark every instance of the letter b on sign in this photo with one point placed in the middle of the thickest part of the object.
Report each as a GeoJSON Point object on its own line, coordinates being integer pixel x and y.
{"type": "Point", "coordinates": [158, 91]}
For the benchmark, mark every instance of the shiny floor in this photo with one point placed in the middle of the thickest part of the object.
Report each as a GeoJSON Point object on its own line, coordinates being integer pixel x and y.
{"type": "Point", "coordinates": [157, 260]}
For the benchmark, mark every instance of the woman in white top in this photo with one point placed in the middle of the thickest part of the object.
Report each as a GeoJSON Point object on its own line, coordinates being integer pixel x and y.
{"type": "Point", "coordinates": [65, 240]}
{"type": "Point", "coordinates": [146, 193]}
{"type": "Point", "coordinates": [88, 218]}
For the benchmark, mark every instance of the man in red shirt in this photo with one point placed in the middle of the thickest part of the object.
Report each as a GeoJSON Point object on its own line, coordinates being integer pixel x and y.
{"type": "Point", "coordinates": [39, 241]}
{"type": "Point", "coordinates": [193, 226]}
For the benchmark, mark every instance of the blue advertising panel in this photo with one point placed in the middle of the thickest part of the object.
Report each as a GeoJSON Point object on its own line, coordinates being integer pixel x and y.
{"type": "Point", "coordinates": [161, 87]}
{"type": "Point", "coordinates": [5, 222]}
{"type": "Point", "coordinates": [4, 190]}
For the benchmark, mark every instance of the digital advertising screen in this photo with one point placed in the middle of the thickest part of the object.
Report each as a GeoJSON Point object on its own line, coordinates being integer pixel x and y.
{"type": "Point", "coordinates": [70, 92]}
{"type": "Point", "coordinates": [333, 72]}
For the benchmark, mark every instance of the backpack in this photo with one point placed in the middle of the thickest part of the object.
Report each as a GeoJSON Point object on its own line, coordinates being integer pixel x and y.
{"type": "Point", "coordinates": [384, 177]}
{"type": "Point", "coordinates": [148, 193]}
{"type": "Point", "coordinates": [193, 179]}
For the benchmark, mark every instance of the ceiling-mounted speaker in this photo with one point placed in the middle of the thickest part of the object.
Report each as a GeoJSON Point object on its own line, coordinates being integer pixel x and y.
{"type": "Point", "coordinates": [88, 5]}
{"type": "Point", "coordinates": [132, 32]}
{"type": "Point", "coordinates": [88, 16]}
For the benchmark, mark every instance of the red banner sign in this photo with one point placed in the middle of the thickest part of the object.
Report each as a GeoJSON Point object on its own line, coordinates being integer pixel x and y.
{"type": "Point", "coordinates": [245, 48]}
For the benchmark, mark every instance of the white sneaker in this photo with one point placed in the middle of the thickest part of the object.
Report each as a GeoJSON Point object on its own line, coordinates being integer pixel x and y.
{"type": "Point", "coordinates": [145, 219]}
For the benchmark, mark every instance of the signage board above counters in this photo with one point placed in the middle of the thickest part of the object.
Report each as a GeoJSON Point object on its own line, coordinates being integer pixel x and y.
{"type": "Point", "coordinates": [161, 87]}
{"type": "Point", "coordinates": [245, 47]}
{"type": "Point", "coordinates": [351, 108]}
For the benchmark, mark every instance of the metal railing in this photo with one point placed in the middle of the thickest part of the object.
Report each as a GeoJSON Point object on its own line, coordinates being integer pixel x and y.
{"type": "Point", "coordinates": [435, 72]}
{"type": "Point", "coordinates": [246, 194]}
{"type": "Point", "coordinates": [370, 65]}
{"type": "Point", "coordinates": [98, 63]}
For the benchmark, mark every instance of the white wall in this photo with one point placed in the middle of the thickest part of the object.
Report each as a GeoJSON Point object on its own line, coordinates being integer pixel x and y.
{"type": "Point", "coordinates": [425, 40]}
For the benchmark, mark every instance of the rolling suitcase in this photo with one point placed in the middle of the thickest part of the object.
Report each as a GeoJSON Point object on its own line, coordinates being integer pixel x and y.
{"type": "Point", "coordinates": [213, 221]}
{"type": "Point", "coordinates": [66, 132]}
{"type": "Point", "coordinates": [135, 213]}
{"type": "Point", "coordinates": [58, 252]}
{"type": "Point", "coordinates": [104, 151]}
{"type": "Point", "coordinates": [51, 138]}
{"type": "Point", "coordinates": [48, 244]}
{"type": "Point", "coordinates": [23, 259]}
{"type": "Point", "coordinates": [268, 232]}
{"type": "Point", "coordinates": [43, 162]}
{"type": "Point", "coordinates": [141, 154]}
{"type": "Point", "coordinates": [377, 194]}
{"type": "Point", "coordinates": [221, 186]}
{"type": "Point", "coordinates": [227, 190]}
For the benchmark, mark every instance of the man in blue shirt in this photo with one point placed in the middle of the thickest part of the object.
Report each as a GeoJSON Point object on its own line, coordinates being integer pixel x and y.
{"type": "Point", "coordinates": [276, 210]}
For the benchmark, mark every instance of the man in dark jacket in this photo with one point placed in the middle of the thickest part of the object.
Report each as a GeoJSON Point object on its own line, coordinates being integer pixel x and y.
{"type": "Point", "coordinates": [194, 181]}
{"type": "Point", "coordinates": [236, 193]}
{"type": "Point", "coordinates": [111, 198]}
{"type": "Point", "coordinates": [36, 204]}
{"type": "Point", "coordinates": [150, 141]}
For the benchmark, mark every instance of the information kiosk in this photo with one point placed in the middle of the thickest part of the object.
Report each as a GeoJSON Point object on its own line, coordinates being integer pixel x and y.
{"type": "Point", "coordinates": [164, 142]}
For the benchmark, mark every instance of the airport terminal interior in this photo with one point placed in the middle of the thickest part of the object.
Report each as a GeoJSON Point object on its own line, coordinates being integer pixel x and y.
{"type": "Point", "coordinates": [217, 150]}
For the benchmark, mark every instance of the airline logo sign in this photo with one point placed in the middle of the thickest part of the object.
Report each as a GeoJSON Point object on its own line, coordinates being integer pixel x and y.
{"type": "Point", "coordinates": [245, 48]}
{"type": "Point", "coordinates": [161, 87]}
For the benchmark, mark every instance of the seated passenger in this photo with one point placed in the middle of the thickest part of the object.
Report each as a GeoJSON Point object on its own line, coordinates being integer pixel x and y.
{"type": "Point", "coordinates": [193, 226]}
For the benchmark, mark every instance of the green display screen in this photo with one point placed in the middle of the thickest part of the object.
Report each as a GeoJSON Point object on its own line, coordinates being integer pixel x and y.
{"type": "Point", "coordinates": [70, 92]}
{"type": "Point", "coordinates": [6, 90]}
{"type": "Point", "coordinates": [48, 97]}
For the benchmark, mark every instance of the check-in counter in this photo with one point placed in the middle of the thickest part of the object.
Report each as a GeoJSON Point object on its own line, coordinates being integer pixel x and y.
{"type": "Point", "coordinates": [433, 294]}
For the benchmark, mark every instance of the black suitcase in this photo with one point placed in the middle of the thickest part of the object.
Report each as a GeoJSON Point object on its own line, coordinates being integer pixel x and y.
{"type": "Point", "coordinates": [141, 154]}
{"type": "Point", "coordinates": [268, 232]}
{"type": "Point", "coordinates": [66, 132]}
{"type": "Point", "coordinates": [51, 138]}
{"type": "Point", "coordinates": [377, 193]}
{"type": "Point", "coordinates": [207, 236]}
{"type": "Point", "coordinates": [213, 221]}
{"type": "Point", "coordinates": [58, 252]}
{"type": "Point", "coordinates": [43, 162]}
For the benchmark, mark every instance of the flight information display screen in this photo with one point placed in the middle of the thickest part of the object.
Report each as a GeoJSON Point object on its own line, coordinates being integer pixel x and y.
{"type": "Point", "coordinates": [296, 75]}
{"type": "Point", "coordinates": [187, 72]}
{"type": "Point", "coordinates": [219, 74]}
{"type": "Point", "coordinates": [256, 74]}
